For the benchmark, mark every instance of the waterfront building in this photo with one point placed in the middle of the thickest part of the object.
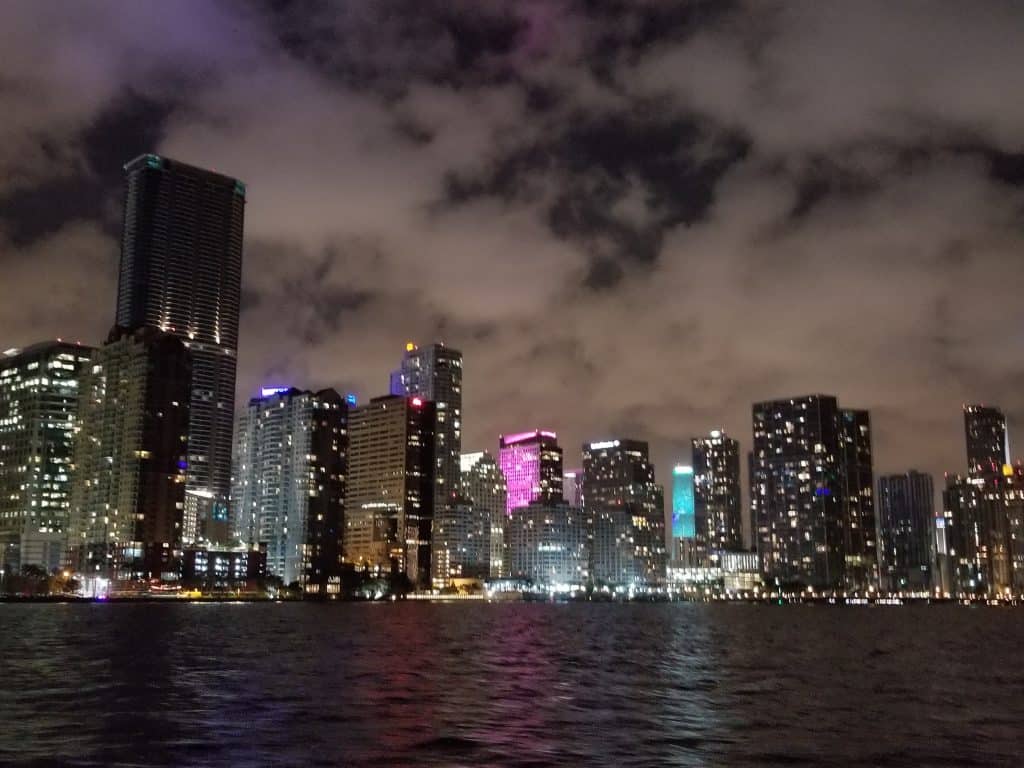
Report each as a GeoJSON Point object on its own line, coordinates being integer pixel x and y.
{"type": "Point", "coordinates": [625, 513]}
{"type": "Point", "coordinates": [483, 483]}
{"type": "Point", "coordinates": [716, 490]}
{"type": "Point", "coordinates": [181, 272]}
{"type": "Point", "coordinates": [461, 543]}
{"type": "Point", "coordinates": [811, 494]}
{"type": "Point", "coordinates": [223, 568]}
{"type": "Point", "coordinates": [906, 510]}
{"type": "Point", "coordinates": [288, 491]}
{"type": "Point", "coordinates": [434, 373]}
{"type": "Point", "coordinates": [532, 465]}
{"type": "Point", "coordinates": [39, 393]}
{"type": "Point", "coordinates": [547, 544]}
{"type": "Point", "coordinates": [128, 483]}
{"type": "Point", "coordinates": [987, 440]}
{"type": "Point", "coordinates": [389, 508]}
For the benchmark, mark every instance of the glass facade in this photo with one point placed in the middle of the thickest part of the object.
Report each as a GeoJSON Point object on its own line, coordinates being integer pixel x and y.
{"type": "Point", "coordinates": [683, 521]}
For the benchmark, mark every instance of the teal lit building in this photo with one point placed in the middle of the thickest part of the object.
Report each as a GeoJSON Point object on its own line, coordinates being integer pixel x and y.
{"type": "Point", "coordinates": [683, 517]}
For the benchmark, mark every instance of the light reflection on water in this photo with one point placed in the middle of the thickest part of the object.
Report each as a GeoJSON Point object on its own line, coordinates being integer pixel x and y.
{"type": "Point", "coordinates": [509, 685]}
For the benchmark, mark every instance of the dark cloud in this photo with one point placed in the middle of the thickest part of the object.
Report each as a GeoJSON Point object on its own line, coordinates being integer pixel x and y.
{"type": "Point", "coordinates": [633, 217]}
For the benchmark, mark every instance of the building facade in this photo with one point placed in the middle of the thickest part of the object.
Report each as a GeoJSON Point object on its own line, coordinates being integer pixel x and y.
{"type": "Point", "coordinates": [806, 493]}
{"type": "Point", "coordinates": [624, 510]}
{"type": "Point", "coordinates": [716, 490]}
{"type": "Point", "coordinates": [39, 388]}
{"type": "Point", "coordinates": [434, 373]}
{"type": "Point", "coordinates": [906, 510]}
{"type": "Point", "coordinates": [483, 483]}
{"type": "Point", "coordinates": [987, 440]}
{"type": "Point", "coordinates": [532, 465]}
{"type": "Point", "coordinates": [181, 272]}
{"type": "Point", "coordinates": [461, 546]}
{"type": "Point", "coordinates": [288, 492]}
{"type": "Point", "coordinates": [390, 495]}
{"type": "Point", "coordinates": [547, 544]}
{"type": "Point", "coordinates": [128, 487]}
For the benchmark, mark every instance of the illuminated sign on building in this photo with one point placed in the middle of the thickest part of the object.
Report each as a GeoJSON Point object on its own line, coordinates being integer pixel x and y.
{"type": "Point", "coordinates": [683, 517]}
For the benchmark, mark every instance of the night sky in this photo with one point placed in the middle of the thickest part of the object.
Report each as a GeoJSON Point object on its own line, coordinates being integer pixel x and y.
{"type": "Point", "coordinates": [635, 219]}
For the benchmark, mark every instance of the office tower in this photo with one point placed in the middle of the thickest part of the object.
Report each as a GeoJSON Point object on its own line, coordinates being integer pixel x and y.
{"type": "Point", "coordinates": [484, 485]}
{"type": "Point", "coordinates": [181, 272]}
{"type": "Point", "coordinates": [572, 487]}
{"type": "Point", "coordinates": [906, 510]}
{"type": "Point", "coordinates": [288, 491]}
{"type": "Point", "coordinates": [810, 458]}
{"type": "Point", "coordinates": [987, 440]}
{"type": "Point", "coordinates": [547, 544]}
{"type": "Point", "coordinates": [532, 465]}
{"type": "Point", "coordinates": [683, 513]}
{"type": "Point", "coordinates": [434, 373]}
{"type": "Point", "coordinates": [39, 388]}
{"type": "Point", "coordinates": [389, 506]}
{"type": "Point", "coordinates": [625, 513]}
{"type": "Point", "coordinates": [461, 543]}
{"type": "Point", "coordinates": [860, 535]}
{"type": "Point", "coordinates": [128, 486]}
{"type": "Point", "coordinates": [716, 493]}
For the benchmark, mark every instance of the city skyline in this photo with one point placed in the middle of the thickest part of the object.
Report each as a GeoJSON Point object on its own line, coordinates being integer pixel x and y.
{"type": "Point", "coordinates": [565, 215]}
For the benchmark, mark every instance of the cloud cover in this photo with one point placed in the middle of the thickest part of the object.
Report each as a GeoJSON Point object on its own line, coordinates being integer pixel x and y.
{"type": "Point", "coordinates": [633, 218]}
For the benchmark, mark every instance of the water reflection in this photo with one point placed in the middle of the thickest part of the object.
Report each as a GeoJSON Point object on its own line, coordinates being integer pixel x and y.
{"type": "Point", "coordinates": [508, 685]}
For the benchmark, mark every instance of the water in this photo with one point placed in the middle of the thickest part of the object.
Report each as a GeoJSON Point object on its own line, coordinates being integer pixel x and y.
{"type": "Point", "coordinates": [509, 685]}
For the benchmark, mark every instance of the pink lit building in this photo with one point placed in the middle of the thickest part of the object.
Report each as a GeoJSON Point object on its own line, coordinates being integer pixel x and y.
{"type": "Point", "coordinates": [532, 465]}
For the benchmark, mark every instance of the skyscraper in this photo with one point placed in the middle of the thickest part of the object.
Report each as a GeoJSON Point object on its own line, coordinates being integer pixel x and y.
{"type": "Point", "coordinates": [181, 272]}
{"type": "Point", "coordinates": [683, 513]}
{"type": "Point", "coordinates": [624, 510]}
{"type": "Point", "coordinates": [860, 533]}
{"type": "Point", "coordinates": [808, 466]}
{"type": "Point", "coordinates": [128, 487]}
{"type": "Point", "coordinates": [987, 443]}
{"type": "Point", "coordinates": [906, 510]}
{"type": "Point", "coordinates": [39, 389]}
{"type": "Point", "coordinates": [389, 504]}
{"type": "Point", "coordinates": [572, 487]}
{"type": "Point", "coordinates": [716, 493]}
{"type": "Point", "coordinates": [461, 543]}
{"type": "Point", "coordinates": [289, 484]}
{"type": "Point", "coordinates": [484, 485]}
{"type": "Point", "coordinates": [532, 465]}
{"type": "Point", "coordinates": [434, 373]}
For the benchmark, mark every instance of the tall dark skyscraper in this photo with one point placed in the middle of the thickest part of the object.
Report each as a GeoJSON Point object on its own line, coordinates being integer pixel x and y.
{"type": "Point", "coordinates": [906, 509]}
{"type": "Point", "coordinates": [987, 445]}
{"type": "Point", "coordinates": [860, 533]}
{"type": "Point", "coordinates": [624, 510]}
{"type": "Point", "coordinates": [181, 272]}
{"type": "Point", "coordinates": [716, 494]}
{"type": "Point", "coordinates": [128, 487]}
{"type": "Point", "coordinates": [434, 373]}
{"type": "Point", "coordinates": [810, 485]}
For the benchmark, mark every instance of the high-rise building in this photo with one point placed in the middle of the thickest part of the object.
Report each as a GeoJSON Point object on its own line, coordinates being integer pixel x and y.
{"type": "Point", "coordinates": [803, 480]}
{"type": "Point", "coordinates": [572, 487]}
{"type": "Point", "coordinates": [906, 510]}
{"type": "Point", "coordinates": [434, 373]}
{"type": "Point", "coordinates": [181, 272]}
{"type": "Point", "coordinates": [39, 388]}
{"type": "Point", "coordinates": [461, 543]}
{"type": "Point", "coordinates": [484, 485]}
{"type": "Point", "coordinates": [860, 533]}
{"type": "Point", "coordinates": [683, 513]}
{"type": "Point", "coordinates": [288, 493]}
{"type": "Point", "coordinates": [532, 465]}
{"type": "Point", "coordinates": [128, 485]}
{"type": "Point", "coordinates": [547, 544]}
{"type": "Point", "coordinates": [716, 490]}
{"type": "Point", "coordinates": [624, 510]}
{"type": "Point", "coordinates": [987, 440]}
{"type": "Point", "coordinates": [389, 505]}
